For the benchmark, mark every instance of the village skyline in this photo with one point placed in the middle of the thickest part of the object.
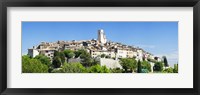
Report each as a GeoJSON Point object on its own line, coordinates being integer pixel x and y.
{"type": "Point", "coordinates": [161, 38]}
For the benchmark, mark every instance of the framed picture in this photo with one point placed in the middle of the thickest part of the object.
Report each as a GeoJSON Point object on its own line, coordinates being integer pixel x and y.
{"type": "Point", "coordinates": [94, 47]}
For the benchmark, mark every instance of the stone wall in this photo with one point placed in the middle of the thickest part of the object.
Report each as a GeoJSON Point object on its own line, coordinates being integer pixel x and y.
{"type": "Point", "coordinates": [110, 63]}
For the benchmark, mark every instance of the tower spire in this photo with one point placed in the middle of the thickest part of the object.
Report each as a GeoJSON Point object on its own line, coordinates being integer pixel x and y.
{"type": "Point", "coordinates": [101, 36]}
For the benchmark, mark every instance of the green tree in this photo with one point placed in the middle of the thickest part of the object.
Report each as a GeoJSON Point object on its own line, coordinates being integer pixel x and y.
{"type": "Point", "coordinates": [98, 69]}
{"type": "Point", "coordinates": [95, 62]}
{"type": "Point", "coordinates": [79, 52]}
{"type": "Point", "coordinates": [57, 62]}
{"type": "Point", "coordinates": [139, 68]}
{"type": "Point", "coordinates": [56, 53]}
{"type": "Point", "coordinates": [62, 57]}
{"type": "Point", "coordinates": [73, 68]}
{"type": "Point", "coordinates": [116, 70]}
{"type": "Point", "coordinates": [158, 66]}
{"type": "Point", "coordinates": [165, 61]}
{"type": "Point", "coordinates": [30, 65]}
{"type": "Point", "coordinates": [86, 59]}
{"type": "Point", "coordinates": [168, 70]}
{"type": "Point", "coordinates": [107, 56]}
{"type": "Point", "coordinates": [175, 70]}
{"type": "Point", "coordinates": [103, 55]}
{"type": "Point", "coordinates": [146, 66]}
{"type": "Point", "coordinates": [69, 54]}
{"type": "Point", "coordinates": [43, 59]}
{"type": "Point", "coordinates": [128, 64]}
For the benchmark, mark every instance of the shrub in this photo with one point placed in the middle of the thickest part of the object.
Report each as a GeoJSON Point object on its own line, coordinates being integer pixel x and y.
{"type": "Point", "coordinates": [98, 69]}
{"type": "Point", "coordinates": [158, 66]}
{"type": "Point", "coordinates": [57, 62]}
{"type": "Point", "coordinates": [116, 70]}
{"type": "Point", "coordinates": [44, 59]}
{"type": "Point", "coordinates": [128, 64]}
{"type": "Point", "coordinates": [168, 70]}
{"type": "Point", "coordinates": [33, 66]}
{"type": "Point", "coordinates": [73, 68]}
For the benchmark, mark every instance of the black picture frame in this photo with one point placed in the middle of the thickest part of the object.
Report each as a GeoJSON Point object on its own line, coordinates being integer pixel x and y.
{"type": "Point", "coordinates": [99, 3]}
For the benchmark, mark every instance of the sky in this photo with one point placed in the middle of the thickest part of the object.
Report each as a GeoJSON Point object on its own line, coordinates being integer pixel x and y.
{"type": "Point", "coordinates": [158, 38]}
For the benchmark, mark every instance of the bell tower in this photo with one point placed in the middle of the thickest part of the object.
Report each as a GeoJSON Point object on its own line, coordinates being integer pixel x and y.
{"type": "Point", "coordinates": [101, 36]}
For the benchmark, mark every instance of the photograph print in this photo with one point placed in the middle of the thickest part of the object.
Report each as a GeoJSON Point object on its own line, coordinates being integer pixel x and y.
{"type": "Point", "coordinates": [99, 47]}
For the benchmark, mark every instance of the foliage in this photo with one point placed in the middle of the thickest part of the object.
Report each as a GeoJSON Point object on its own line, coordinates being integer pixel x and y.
{"type": "Point", "coordinates": [30, 65]}
{"type": "Point", "coordinates": [69, 53]}
{"type": "Point", "coordinates": [103, 55]}
{"type": "Point", "coordinates": [165, 61]}
{"type": "Point", "coordinates": [139, 68]}
{"type": "Point", "coordinates": [168, 70]}
{"type": "Point", "coordinates": [79, 52]}
{"type": "Point", "coordinates": [86, 59]}
{"type": "Point", "coordinates": [43, 59]}
{"type": "Point", "coordinates": [95, 62]}
{"type": "Point", "coordinates": [175, 70]}
{"type": "Point", "coordinates": [73, 68]}
{"type": "Point", "coordinates": [59, 70]}
{"type": "Point", "coordinates": [57, 62]}
{"type": "Point", "coordinates": [107, 56]}
{"type": "Point", "coordinates": [116, 70]}
{"type": "Point", "coordinates": [98, 69]}
{"type": "Point", "coordinates": [144, 71]}
{"type": "Point", "coordinates": [158, 66]}
{"type": "Point", "coordinates": [128, 64]}
{"type": "Point", "coordinates": [146, 66]}
{"type": "Point", "coordinates": [61, 55]}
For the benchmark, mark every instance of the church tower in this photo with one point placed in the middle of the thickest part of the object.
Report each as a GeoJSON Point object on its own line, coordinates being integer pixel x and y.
{"type": "Point", "coordinates": [101, 36]}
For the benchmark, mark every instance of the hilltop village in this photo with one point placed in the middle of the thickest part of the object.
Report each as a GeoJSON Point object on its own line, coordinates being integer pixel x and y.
{"type": "Point", "coordinates": [112, 51]}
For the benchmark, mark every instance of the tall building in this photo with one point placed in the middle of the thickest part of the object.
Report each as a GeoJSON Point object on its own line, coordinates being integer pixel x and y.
{"type": "Point", "coordinates": [101, 36]}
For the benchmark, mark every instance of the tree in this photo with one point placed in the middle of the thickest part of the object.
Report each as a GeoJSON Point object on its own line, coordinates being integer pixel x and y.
{"type": "Point", "coordinates": [73, 68]}
{"type": "Point", "coordinates": [168, 70]}
{"type": "Point", "coordinates": [86, 59]}
{"type": "Point", "coordinates": [107, 56]}
{"type": "Point", "coordinates": [69, 54]}
{"type": "Point", "coordinates": [103, 55]}
{"type": "Point", "coordinates": [146, 66]}
{"type": "Point", "coordinates": [175, 70]}
{"type": "Point", "coordinates": [158, 66]}
{"type": "Point", "coordinates": [98, 69]}
{"type": "Point", "coordinates": [128, 64]}
{"type": "Point", "coordinates": [30, 65]}
{"type": "Point", "coordinates": [57, 62]}
{"type": "Point", "coordinates": [139, 68]}
{"type": "Point", "coordinates": [165, 61]}
{"type": "Point", "coordinates": [79, 52]}
{"type": "Point", "coordinates": [43, 59]}
{"type": "Point", "coordinates": [61, 55]}
{"type": "Point", "coordinates": [116, 70]}
{"type": "Point", "coordinates": [95, 62]}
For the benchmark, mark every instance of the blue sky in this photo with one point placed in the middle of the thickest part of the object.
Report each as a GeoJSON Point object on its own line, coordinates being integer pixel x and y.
{"type": "Point", "coordinates": [158, 38]}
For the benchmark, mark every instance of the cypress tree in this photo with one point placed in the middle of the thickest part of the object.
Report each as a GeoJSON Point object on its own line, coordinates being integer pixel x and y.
{"type": "Point", "coordinates": [139, 69]}
{"type": "Point", "coordinates": [165, 61]}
